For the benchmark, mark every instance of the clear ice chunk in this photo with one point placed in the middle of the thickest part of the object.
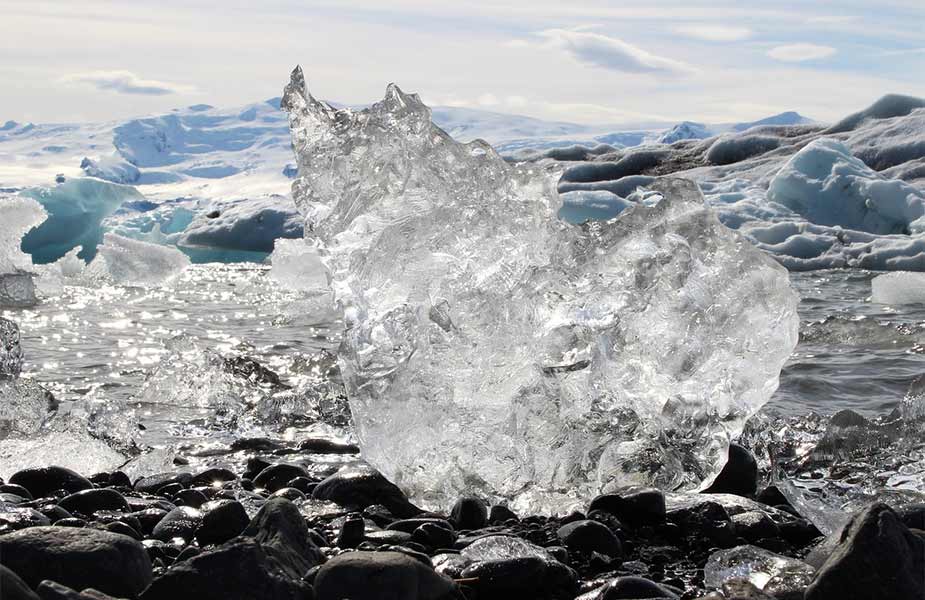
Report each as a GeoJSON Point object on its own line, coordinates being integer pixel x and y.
{"type": "Point", "coordinates": [778, 576]}
{"type": "Point", "coordinates": [10, 350]}
{"type": "Point", "coordinates": [17, 216]}
{"type": "Point", "coordinates": [132, 262]}
{"type": "Point", "coordinates": [499, 547]}
{"type": "Point", "coordinates": [493, 348]}
{"type": "Point", "coordinates": [898, 288]}
{"type": "Point", "coordinates": [297, 266]}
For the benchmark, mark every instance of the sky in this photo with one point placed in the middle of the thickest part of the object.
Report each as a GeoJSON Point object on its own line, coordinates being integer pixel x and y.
{"type": "Point", "coordinates": [581, 61]}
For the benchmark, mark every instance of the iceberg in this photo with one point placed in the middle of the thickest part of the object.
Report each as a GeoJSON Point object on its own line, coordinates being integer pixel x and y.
{"type": "Point", "coordinates": [898, 288]}
{"type": "Point", "coordinates": [19, 215]}
{"type": "Point", "coordinates": [132, 262]}
{"type": "Point", "coordinates": [493, 348]}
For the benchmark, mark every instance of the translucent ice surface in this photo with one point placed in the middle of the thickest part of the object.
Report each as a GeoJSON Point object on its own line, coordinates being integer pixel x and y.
{"type": "Point", "coordinates": [10, 350]}
{"type": "Point", "coordinates": [17, 216]}
{"type": "Point", "coordinates": [297, 266]}
{"type": "Point", "coordinates": [779, 576]}
{"type": "Point", "coordinates": [492, 347]}
{"type": "Point", "coordinates": [133, 262]}
{"type": "Point", "coordinates": [898, 288]}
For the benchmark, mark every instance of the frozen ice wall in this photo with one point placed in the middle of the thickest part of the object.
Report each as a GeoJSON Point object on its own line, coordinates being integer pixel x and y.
{"type": "Point", "coordinates": [492, 348]}
{"type": "Point", "coordinates": [17, 216]}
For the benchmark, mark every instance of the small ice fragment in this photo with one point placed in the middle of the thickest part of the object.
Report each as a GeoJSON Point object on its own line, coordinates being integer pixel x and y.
{"type": "Point", "coordinates": [777, 575]}
{"type": "Point", "coordinates": [498, 547]}
{"type": "Point", "coordinates": [898, 288]}
{"type": "Point", "coordinates": [132, 262]}
{"type": "Point", "coordinates": [71, 449]}
{"type": "Point", "coordinates": [297, 266]}
{"type": "Point", "coordinates": [10, 350]}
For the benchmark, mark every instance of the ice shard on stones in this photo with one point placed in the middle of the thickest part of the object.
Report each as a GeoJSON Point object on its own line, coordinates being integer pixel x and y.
{"type": "Point", "coordinates": [492, 348]}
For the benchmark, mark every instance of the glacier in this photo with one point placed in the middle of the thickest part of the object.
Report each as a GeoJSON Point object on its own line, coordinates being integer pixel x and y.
{"type": "Point", "coordinates": [491, 347]}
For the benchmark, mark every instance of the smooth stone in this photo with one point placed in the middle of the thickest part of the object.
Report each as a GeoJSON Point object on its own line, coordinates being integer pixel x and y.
{"type": "Point", "coordinates": [190, 497]}
{"type": "Point", "coordinates": [469, 512]}
{"type": "Point", "coordinates": [323, 446]}
{"type": "Point", "coordinates": [281, 530]}
{"type": "Point", "coordinates": [876, 556]}
{"type": "Point", "coordinates": [153, 483]}
{"type": "Point", "coordinates": [213, 477]}
{"type": "Point", "coordinates": [358, 486]}
{"type": "Point", "coordinates": [739, 476]}
{"type": "Point", "coordinates": [754, 525]}
{"type": "Point", "coordinates": [70, 522]}
{"type": "Point", "coordinates": [590, 536]}
{"type": "Point", "coordinates": [277, 476]}
{"type": "Point", "coordinates": [499, 514]}
{"type": "Point", "coordinates": [13, 499]}
{"type": "Point", "coordinates": [380, 575]}
{"type": "Point", "coordinates": [54, 512]}
{"type": "Point", "coordinates": [409, 525]}
{"type": "Point", "coordinates": [13, 518]}
{"type": "Point", "coordinates": [181, 522]}
{"type": "Point", "coordinates": [913, 516]}
{"type": "Point", "coordinates": [50, 590]}
{"type": "Point", "coordinates": [43, 481]}
{"type": "Point", "coordinates": [124, 529]}
{"type": "Point", "coordinates": [221, 521]}
{"type": "Point", "coordinates": [12, 488]}
{"type": "Point", "coordinates": [78, 558]}
{"type": "Point", "coordinates": [632, 587]}
{"type": "Point", "coordinates": [149, 518]}
{"type": "Point", "coordinates": [707, 518]}
{"type": "Point", "coordinates": [12, 587]}
{"type": "Point", "coordinates": [391, 537]}
{"type": "Point", "coordinates": [289, 493]}
{"type": "Point", "coordinates": [501, 578]}
{"type": "Point", "coordinates": [351, 531]}
{"type": "Point", "coordinates": [238, 570]}
{"type": "Point", "coordinates": [742, 589]}
{"type": "Point", "coordinates": [637, 506]}
{"type": "Point", "coordinates": [303, 484]}
{"type": "Point", "coordinates": [87, 502]}
{"type": "Point", "coordinates": [433, 535]}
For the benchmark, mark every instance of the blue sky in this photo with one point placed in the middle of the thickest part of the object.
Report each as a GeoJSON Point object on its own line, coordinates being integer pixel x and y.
{"type": "Point", "coordinates": [581, 61]}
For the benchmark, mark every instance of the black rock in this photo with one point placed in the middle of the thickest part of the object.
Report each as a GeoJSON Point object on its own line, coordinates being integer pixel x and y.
{"type": "Point", "coordinates": [739, 476]}
{"type": "Point", "coordinates": [221, 521]}
{"type": "Point", "coordinates": [190, 497]}
{"type": "Point", "coordinates": [87, 502]}
{"type": "Point", "coordinates": [523, 577]}
{"type": "Point", "coordinates": [54, 512]}
{"type": "Point", "coordinates": [499, 514]}
{"type": "Point", "coordinates": [706, 519]}
{"type": "Point", "coordinates": [153, 483]}
{"type": "Point", "coordinates": [50, 590]}
{"type": "Point", "coordinates": [213, 477]}
{"type": "Point", "coordinates": [913, 516]}
{"type": "Point", "coordinates": [119, 479]}
{"type": "Point", "coordinates": [41, 482]}
{"type": "Point", "coordinates": [181, 522]}
{"type": "Point", "coordinates": [171, 489]}
{"type": "Point", "coordinates": [377, 575]}
{"type": "Point", "coordinates": [78, 558]}
{"type": "Point", "coordinates": [433, 535]}
{"type": "Point", "coordinates": [322, 446]}
{"type": "Point", "coordinates": [876, 556]}
{"type": "Point", "coordinates": [388, 537]}
{"type": "Point", "coordinates": [70, 522]}
{"type": "Point", "coordinates": [590, 536]}
{"type": "Point", "coordinates": [635, 505]}
{"type": "Point", "coordinates": [772, 496]}
{"type": "Point", "coordinates": [754, 525]}
{"type": "Point", "coordinates": [351, 532]}
{"type": "Point", "coordinates": [742, 589]}
{"type": "Point", "coordinates": [149, 518]}
{"type": "Point", "coordinates": [289, 493]}
{"type": "Point", "coordinates": [12, 587]}
{"type": "Point", "coordinates": [409, 525]}
{"type": "Point", "coordinates": [303, 484]}
{"type": "Point", "coordinates": [358, 486]}
{"type": "Point", "coordinates": [281, 530]}
{"type": "Point", "coordinates": [277, 476]}
{"type": "Point", "coordinates": [469, 512]}
{"type": "Point", "coordinates": [238, 570]}
{"type": "Point", "coordinates": [123, 528]}
{"type": "Point", "coordinates": [634, 588]}
{"type": "Point", "coordinates": [11, 488]}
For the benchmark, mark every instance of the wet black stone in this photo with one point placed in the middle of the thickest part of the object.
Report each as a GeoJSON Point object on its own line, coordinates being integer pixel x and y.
{"type": "Point", "coordinates": [149, 518]}
{"type": "Point", "coordinates": [254, 466]}
{"type": "Point", "coordinates": [366, 576]}
{"type": "Point", "coordinates": [913, 516]}
{"type": "Point", "coordinates": [303, 484]}
{"type": "Point", "coordinates": [351, 532]}
{"type": "Point", "coordinates": [277, 476]}
{"type": "Point", "coordinates": [755, 525]}
{"type": "Point", "coordinates": [50, 590]}
{"type": "Point", "coordinates": [213, 476]}
{"type": "Point", "coordinates": [18, 490]}
{"type": "Point", "coordinates": [190, 497]}
{"type": "Point", "coordinates": [13, 518]}
{"type": "Point", "coordinates": [87, 502]}
{"type": "Point", "coordinates": [44, 481]}
{"type": "Point", "coordinates": [153, 483]}
{"type": "Point", "coordinates": [358, 486]}
{"type": "Point", "coordinates": [171, 489]}
{"type": "Point", "coordinates": [432, 535]}
{"type": "Point", "coordinates": [772, 496]}
{"type": "Point", "coordinates": [739, 475]}
{"type": "Point", "coordinates": [123, 528]}
{"type": "Point", "coordinates": [54, 513]}
{"type": "Point", "coordinates": [590, 536]}
{"type": "Point", "coordinates": [238, 570]}
{"type": "Point", "coordinates": [281, 530]}
{"type": "Point", "coordinates": [221, 521]}
{"type": "Point", "coordinates": [181, 522]}
{"type": "Point", "coordinates": [71, 522]}
{"type": "Point", "coordinates": [289, 493]}
{"type": "Point", "coordinates": [499, 514]}
{"type": "Point", "coordinates": [119, 479]}
{"type": "Point", "coordinates": [500, 578]}
{"type": "Point", "coordinates": [469, 512]}
{"type": "Point", "coordinates": [876, 556]}
{"type": "Point", "coordinates": [188, 553]}
{"type": "Point", "coordinates": [78, 558]}
{"type": "Point", "coordinates": [634, 588]}
{"type": "Point", "coordinates": [12, 587]}
{"type": "Point", "coordinates": [391, 537]}
{"type": "Point", "coordinates": [409, 525]}
{"type": "Point", "coordinates": [322, 446]}
{"type": "Point", "coordinates": [636, 506]}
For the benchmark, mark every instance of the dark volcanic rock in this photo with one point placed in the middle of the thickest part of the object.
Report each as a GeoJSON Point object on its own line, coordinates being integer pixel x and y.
{"type": "Point", "coordinates": [78, 558]}
{"type": "Point", "coordinates": [509, 577]}
{"type": "Point", "coordinates": [638, 506]}
{"type": "Point", "coordinates": [739, 476]}
{"type": "Point", "coordinates": [378, 575]}
{"type": "Point", "coordinates": [351, 532]}
{"type": "Point", "coordinates": [213, 477]}
{"type": "Point", "coordinates": [277, 476]}
{"type": "Point", "coordinates": [10, 488]}
{"type": "Point", "coordinates": [12, 587]}
{"type": "Point", "coordinates": [360, 487]}
{"type": "Point", "coordinates": [221, 521]}
{"type": "Point", "coordinates": [499, 514]}
{"type": "Point", "coordinates": [50, 590]}
{"type": "Point", "coordinates": [181, 522]}
{"type": "Point", "coordinates": [13, 518]}
{"type": "Point", "coordinates": [754, 525]}
{"type": "Point", "coordinates": [238, 570]}
{"type": "Point", "coordinates": [323, 446]}
{"type": "Point", "coordinates": [876, 556]}
{"type": "Point", "coordinates": [469, 512]}
{"type": "Point", "coordinates": [153, 483]}
{"type": "Point", "coordinates": [282, 531]}
{"type": "Point", "coordinates": [590, 536]}
{"type": "Point", "coordinates": [634, 588]}
{"type": "Point", "coordinates": [87, 502]}
{"type": "Point", "coordinates": [43, 481]}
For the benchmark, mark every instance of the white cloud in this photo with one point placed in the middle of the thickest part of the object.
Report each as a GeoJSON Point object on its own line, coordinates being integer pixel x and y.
{"type": "Point", "coordinates": [488, 100]}
{"type": "Point", "coordinates": [515, 101]}
{"type": "Point", "coordinates": [126, 82]}
{"type": "Point", "coordinates": [606, 52]}
{"type": "Point", "coordinates": [715, 33]}
{"type": "Point", "coordinates": [800, 52]}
